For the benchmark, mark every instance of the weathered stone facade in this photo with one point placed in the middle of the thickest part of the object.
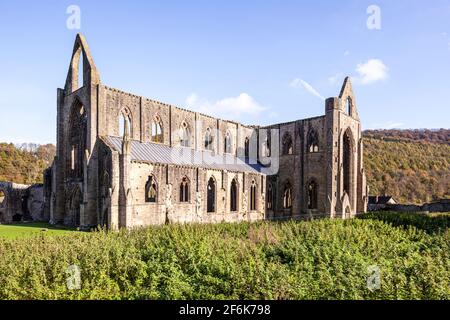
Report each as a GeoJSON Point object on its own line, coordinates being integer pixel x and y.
{"type": "Point", "coordinates": [121, 161]}
{"type": "Point", "coordinates": [20, 202]}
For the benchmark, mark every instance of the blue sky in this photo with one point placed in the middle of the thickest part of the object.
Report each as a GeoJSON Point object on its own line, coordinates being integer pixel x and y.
{"type": "Point", "coordinates": [252, 61]}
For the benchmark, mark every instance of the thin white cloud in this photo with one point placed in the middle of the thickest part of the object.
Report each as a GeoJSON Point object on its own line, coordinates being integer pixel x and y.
{"type": "Point", "coordinates": [299, 83]}
{"type": "Point", "coordinates": [346, 53]}
{"type": "Point", "coordinates": [370, 72]}
{"type": "Point", "coordinates": [229, 108]}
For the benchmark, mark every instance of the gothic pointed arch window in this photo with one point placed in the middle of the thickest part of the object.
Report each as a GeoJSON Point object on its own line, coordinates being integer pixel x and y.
{"type": "Point", "coordinates": [253, 196]}
{"type": "Point", "coordinates": [313, 141]}
{"type": "Point", "coordinates": [347, 161]}
{"type": "Point", "coordinates": [270, 196]}
{"type": "Point", "coordinates": [209, 140]}
{"type": "Point", "coordinates": [157, 130]}
{"type": "Point", "coordinates": [267, 147]}
{"type": "Point", "coordinates": [184, 190]}
{"type": "Point", "coordinates": [348, 106]}
{"type": "Point", "coordinates": [185, 140]}
{"type": "Point", "coordinates": [151, 190]}
{"type": "Point", "coordinates": [312, 195]}
{"type": "Point", "coordinates": [287, 196]}
{"type": "Point", "coordinates": [233, 196]}
{"type": "Point", "coordinates": [125, 123]}
{"type": "Point", "coordinates": [75, 205]}
{"type": "Point", "coordinates": [228, 139]}
{"type": "Point", "coordinates": [77, 138]}
{"type": "Point", "coordinates": [80, 80]}
{"type": "Point", "coordinates": [211, 195]}
{"type": "Point", "coordinates": [287, 144]}
{"type": "Point", "coordinates": [247, 147]}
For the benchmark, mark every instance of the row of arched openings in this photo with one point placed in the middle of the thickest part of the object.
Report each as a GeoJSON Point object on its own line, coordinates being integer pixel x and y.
{"type": "Point", "coordinates": [151, 193]}
{"type": "Point", "coordinates": [312, 191]}
{"type": "Point", "coordinates": [157, 136]}
{"type": "Point", "coordinates": [312, 143]}
{"type": "Point", "coordinates": [157, 133]}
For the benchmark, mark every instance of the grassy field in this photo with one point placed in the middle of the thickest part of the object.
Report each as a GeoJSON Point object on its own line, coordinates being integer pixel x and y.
{"type": "Point", "coordinates": [323, 259]}
{"type": "Point", "coordinates": [24, 230]}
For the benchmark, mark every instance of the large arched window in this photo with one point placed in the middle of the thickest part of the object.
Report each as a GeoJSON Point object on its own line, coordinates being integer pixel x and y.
{"type": "Point", "coordinates": [77, 139]}
{"type": "Point", "coordinates": [125, 123]}
{"type": "Point", "coordinates": [313, 141]}
{"type": "Point", "coordinates": [287, 196]}
{"type": "Point", "coordinates": [270, 197]}
{"type": "Point", "coordinates": [184, 135]}
{"type": "Point", "coordinates": [209, 140]}
{"type": "Point", "coordinates": [233, 196]}
{"type": "Point", "coordinates": [287, 144]}
{"type": "Point", "coordinates": [184, 190]}
{"type": "Point", "coordinates": [347, 161]}
{"type": "Point", "coordinates": [227, 146]}
{"type": "Point", "coordinates": [211, 195]}
{"type": "Point", "coordinates": [151, 190]}
{"type": "Point", "coordinates": [253, 196]}
{"type": "Point", "coordinates": [157, 131]}
{"type": "Point", "coordinates": [312, 195]}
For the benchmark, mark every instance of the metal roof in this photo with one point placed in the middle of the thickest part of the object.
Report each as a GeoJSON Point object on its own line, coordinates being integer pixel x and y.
{"type": "Point", "coordinates": [163, 154]}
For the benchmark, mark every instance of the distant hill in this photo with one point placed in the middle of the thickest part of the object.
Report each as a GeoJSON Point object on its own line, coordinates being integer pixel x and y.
{"type": "Point", "coordinates": [413, 166]}
{"type": "Point", "coordinates": [417, 135]}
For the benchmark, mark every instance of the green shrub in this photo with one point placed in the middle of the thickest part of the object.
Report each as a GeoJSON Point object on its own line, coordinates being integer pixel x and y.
{"type": "Point", "coordinates": [326, 259]}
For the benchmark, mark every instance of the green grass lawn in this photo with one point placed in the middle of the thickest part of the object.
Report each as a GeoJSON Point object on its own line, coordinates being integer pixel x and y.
{"type": "Point", "coordinates": [25, 230]}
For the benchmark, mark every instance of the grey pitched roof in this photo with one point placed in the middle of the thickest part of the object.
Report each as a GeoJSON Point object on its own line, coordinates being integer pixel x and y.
{"type": "Point", "coordinates": [163, 154]}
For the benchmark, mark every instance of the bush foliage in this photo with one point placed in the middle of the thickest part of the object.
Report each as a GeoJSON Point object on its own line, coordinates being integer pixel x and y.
{"type": "Point", "coordinates": [324, 259]}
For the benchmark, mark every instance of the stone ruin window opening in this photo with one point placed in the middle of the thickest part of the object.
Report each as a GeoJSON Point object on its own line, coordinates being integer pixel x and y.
{"type": "Point", "coordinates": [151, 190]}
{"type": "Point", "coordinates": [270, 197]}
{"type": "Point", "coordinates": [348, 106]}
{"type": "Point", "coordinates": [233, 196]}
{"type": "Point", "coordinates": [209, 140]}
{"type": "Point", "coordinates": [157, 131]}
{"type": "Point", "coordinates": [184, 190]}
{"type": "Point", "coordinates": [253, 196]}
{"type": "Point", "coordinates": [125, 123]}
{"type": "Point", "coordinates": [312, 195]}
{"type": "Point", "coordinates": [211, 196]}
{"type": "Point", "coordinates": [184, 135]}
{"type": "Point", "coordinates": [347, 162]}
{"type": "Point", "coordinates": [267, 147]}
{"type": "Point", "coordinates": [247, 148]}
{"type": "Point", "coordinates": [287, 145]}
{"type": "Point", "coordinates": [77, 139]}
{"type": "Point", "coordinates": [287, 196]}
{"type": "Point", "coordinates": [80, 80]}
{"type": "Point", "coordinates": [313, 142]}
{"type": "Point", "coordinates": [227, 147]}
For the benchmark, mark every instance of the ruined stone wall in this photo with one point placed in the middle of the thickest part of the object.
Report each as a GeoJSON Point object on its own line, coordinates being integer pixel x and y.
{"type": "Point", "coordinates": [21, 203]}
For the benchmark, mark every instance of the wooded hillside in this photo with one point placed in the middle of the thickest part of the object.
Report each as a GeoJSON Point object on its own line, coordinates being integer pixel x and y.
{"type": "Point", "coordinates": [25, 163]}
